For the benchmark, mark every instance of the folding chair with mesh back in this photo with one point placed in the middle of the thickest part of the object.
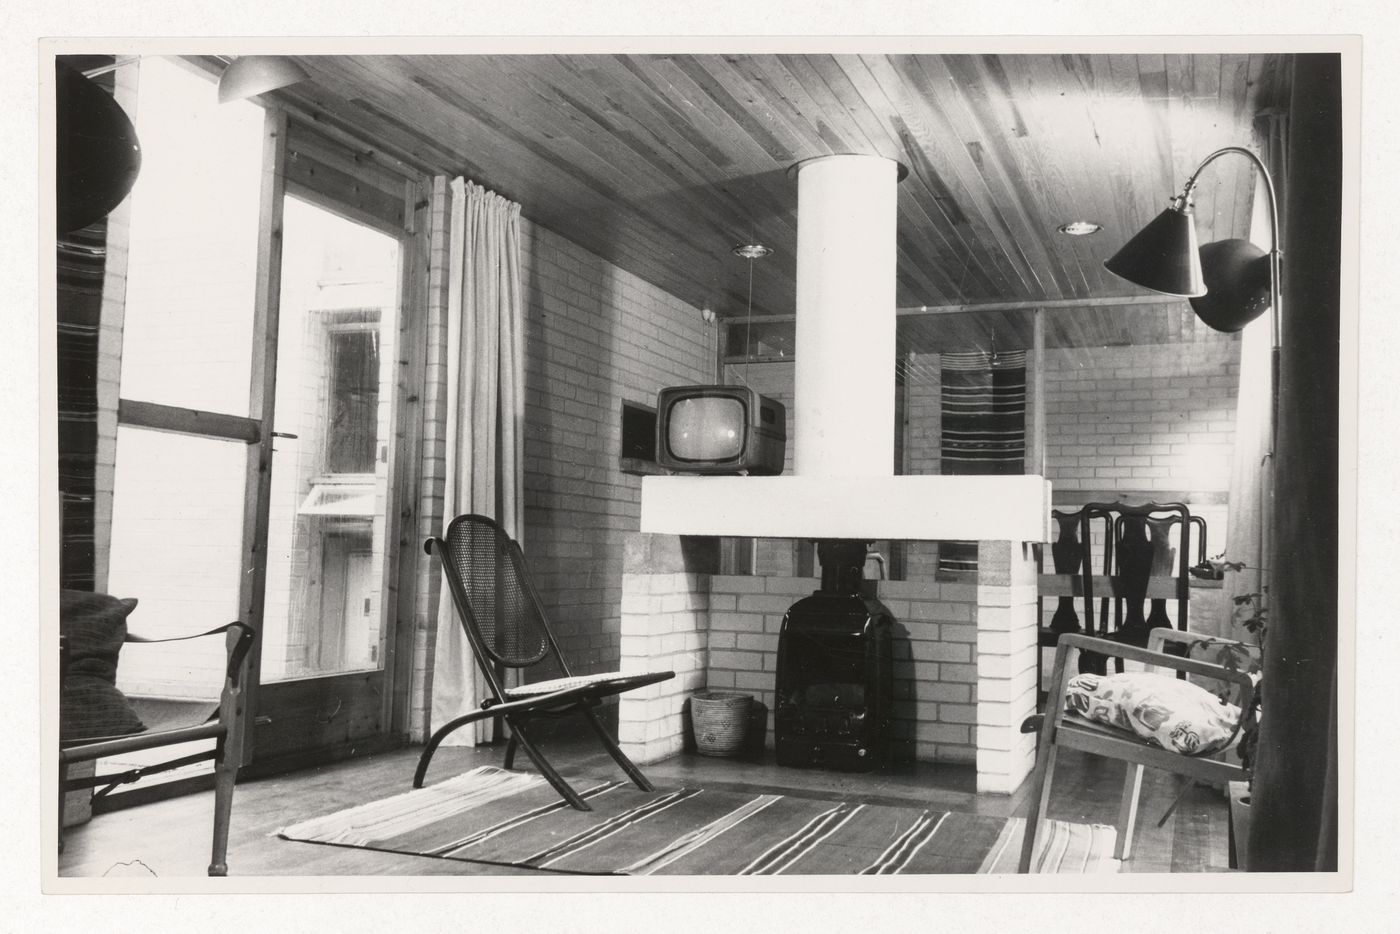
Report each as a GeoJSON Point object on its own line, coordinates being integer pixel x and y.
{"type": "Point", "coordinates": [506, 626]}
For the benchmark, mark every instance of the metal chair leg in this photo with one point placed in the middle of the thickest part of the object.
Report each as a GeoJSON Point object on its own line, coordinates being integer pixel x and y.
{"type": "Point", "coordinates": [616, 752]}
{"type": "Point", "coordinates": [442, 733]}
{"type": "Point", "coordinates": [547, 770]}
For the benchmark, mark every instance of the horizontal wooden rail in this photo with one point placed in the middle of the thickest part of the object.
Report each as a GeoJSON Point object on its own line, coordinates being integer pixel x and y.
{"type": "Point", "coordinates": [1105, 586]}
{"type": "Point", "coordinates": [159, 417]}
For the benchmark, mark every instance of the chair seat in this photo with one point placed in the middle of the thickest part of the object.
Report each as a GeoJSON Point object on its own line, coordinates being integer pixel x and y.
{"type": "Point", "coordinates": [621, 680]}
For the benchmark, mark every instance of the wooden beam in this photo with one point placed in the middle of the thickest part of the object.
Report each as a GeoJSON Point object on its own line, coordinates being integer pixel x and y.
{"type": "Point", "coordinates": [1109, 587]}
{"type": "Point", "coordinates": [928, 310]}
{"type": "Point", "coordinates": [157, 417]}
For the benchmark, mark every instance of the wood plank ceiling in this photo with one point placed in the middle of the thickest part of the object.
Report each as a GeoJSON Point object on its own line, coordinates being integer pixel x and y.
{"type": "Point", "coordinates": [660, 163]}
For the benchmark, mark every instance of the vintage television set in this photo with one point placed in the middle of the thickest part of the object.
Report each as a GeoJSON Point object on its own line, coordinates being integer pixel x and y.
{"type": "Point", "coordinates": [720, 430]}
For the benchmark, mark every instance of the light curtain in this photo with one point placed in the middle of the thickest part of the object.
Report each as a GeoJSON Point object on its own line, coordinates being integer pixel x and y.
{"type": "Point", "coordinates": [485, 414]}
{"type": "Point", "coordinates": [1251, 481]}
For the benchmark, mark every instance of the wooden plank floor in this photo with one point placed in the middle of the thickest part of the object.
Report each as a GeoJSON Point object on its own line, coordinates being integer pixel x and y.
{"type": "Point", "coordinates": [171, 838]}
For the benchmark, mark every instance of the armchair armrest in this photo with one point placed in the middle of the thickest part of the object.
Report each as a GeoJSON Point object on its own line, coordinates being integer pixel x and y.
{"type": "Point", "coordinates": [236, 654]}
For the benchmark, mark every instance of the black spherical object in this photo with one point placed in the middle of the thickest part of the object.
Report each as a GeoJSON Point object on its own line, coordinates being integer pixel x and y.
{"type": "Point", "coordinates": [97, 152]}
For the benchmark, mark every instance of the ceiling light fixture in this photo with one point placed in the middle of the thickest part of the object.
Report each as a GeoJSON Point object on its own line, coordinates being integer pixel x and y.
{"type": "Point", "coordinates": [257, 74]}
{"type": "Point", "coordinates": [1080, 228]}
{"type": "Point", "coordinates": [750, 252]}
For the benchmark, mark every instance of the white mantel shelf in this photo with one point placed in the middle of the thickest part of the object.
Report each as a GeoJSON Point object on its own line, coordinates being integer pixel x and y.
{"type": "Point", "coordinates": [923, 507]}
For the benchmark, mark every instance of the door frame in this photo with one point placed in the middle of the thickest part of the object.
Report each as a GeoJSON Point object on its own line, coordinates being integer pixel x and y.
{"type": "Point", "coordinates": [337, 192]}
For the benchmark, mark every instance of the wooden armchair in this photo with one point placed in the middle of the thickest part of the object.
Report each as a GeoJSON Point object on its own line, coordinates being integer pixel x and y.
{"type": "Point", "coordinates": [1060, 728]}
{"type": "Point", "coordinates": [95, 630]}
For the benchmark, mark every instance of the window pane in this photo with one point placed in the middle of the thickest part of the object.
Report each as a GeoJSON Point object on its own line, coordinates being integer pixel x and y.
{"type": "Point", "coordinates": [335, 372]}
{"type": "Point", "coordinates": [177, 530]}
{"type": "Point", "coordinates": [188, 334]}
{"type": "Point", "coordinates": [354, 392]}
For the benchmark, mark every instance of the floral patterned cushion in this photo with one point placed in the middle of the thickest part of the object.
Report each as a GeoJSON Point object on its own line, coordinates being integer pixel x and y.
{"type": "Point", "coordinates": [1177, 715]}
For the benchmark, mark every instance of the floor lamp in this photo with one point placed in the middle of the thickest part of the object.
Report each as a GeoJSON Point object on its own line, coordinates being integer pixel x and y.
{"type": "Point", "coordinates": [1229, 282]}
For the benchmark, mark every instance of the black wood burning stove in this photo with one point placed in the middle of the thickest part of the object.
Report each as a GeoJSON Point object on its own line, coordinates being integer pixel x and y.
{"type": "Point", "coordinates": [835, 670]}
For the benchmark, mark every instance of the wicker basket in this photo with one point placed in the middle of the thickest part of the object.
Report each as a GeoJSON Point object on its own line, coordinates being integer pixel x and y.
{"type": "Point", "coordinates": [720, 721]}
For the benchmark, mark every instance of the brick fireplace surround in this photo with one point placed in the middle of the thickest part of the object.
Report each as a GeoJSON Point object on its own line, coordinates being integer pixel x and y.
{"type": "Point", "coordinates": [965, 651]}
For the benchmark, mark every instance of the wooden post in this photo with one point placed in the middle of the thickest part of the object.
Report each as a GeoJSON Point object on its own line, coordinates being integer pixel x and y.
{"type": "Point", "coordinates": [262, 391]}
{"type": "Point", "coordinates": [1035, 386]}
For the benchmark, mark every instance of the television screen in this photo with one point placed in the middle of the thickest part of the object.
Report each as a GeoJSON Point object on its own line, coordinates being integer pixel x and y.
{"type": "Point", "coordinates": [706, 428]}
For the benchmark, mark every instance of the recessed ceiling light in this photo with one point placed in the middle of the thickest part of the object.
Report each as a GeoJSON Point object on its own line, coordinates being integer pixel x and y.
{"type": "Point", "coordinates": [1080, 228]}
{"type": "Point", "coordinates": [751, 250]}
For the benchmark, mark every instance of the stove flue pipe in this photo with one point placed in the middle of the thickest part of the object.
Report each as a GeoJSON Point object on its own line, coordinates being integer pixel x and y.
{"type": "Point", "coordinates": [843, 403]}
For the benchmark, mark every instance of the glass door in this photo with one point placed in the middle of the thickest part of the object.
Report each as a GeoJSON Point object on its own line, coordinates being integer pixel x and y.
{"type": "Point", "coordinates": [326, 625]}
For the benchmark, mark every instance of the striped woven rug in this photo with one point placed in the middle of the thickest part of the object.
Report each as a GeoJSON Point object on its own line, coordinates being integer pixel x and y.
{"type": "Point", "coordinates": [501, 818]}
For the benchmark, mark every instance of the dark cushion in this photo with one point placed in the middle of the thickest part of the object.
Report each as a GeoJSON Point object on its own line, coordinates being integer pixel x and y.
{"type": "Point", "coordinates": [93, 626]}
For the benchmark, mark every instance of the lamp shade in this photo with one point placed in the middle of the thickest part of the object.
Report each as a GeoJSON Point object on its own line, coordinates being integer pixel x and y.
{"type": "Point", "coordinates": [96, 153]}
{"type": "Point", "coordinates": [1162, 256]}
{"type": "Point", "coordinates": [258, 74]}
{"type": "Point", "coordinates": [1236, 274]}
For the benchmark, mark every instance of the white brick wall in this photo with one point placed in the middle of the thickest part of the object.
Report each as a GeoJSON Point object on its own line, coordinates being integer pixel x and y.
{"type": "Point", "coordinates": [964, 657]}
{"type": "Point", "coordinates": [1142, 419]}
{"type": "Point", "coordinates": [935, 669]}
{"type": "Point", "coordinates": [663, 628]}
{"type": "Point", "coordinates": [594, 337]}
{"type": "Point", "coordinates": [1006, 664]}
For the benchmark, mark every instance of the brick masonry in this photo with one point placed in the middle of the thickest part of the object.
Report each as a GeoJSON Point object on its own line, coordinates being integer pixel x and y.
{"type": "Point", "coordinates": [934, 654]}
{"type": "Point", "coordinates": [595, 337]}
{"type": "Point", "coordinates": [964, 656]}
{"type": "Point", "coordinates": [1150, 418]}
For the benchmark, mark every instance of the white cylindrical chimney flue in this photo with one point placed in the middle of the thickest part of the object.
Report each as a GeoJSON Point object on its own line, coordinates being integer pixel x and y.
{"type": "Point", "coordinates": [843, 405]}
